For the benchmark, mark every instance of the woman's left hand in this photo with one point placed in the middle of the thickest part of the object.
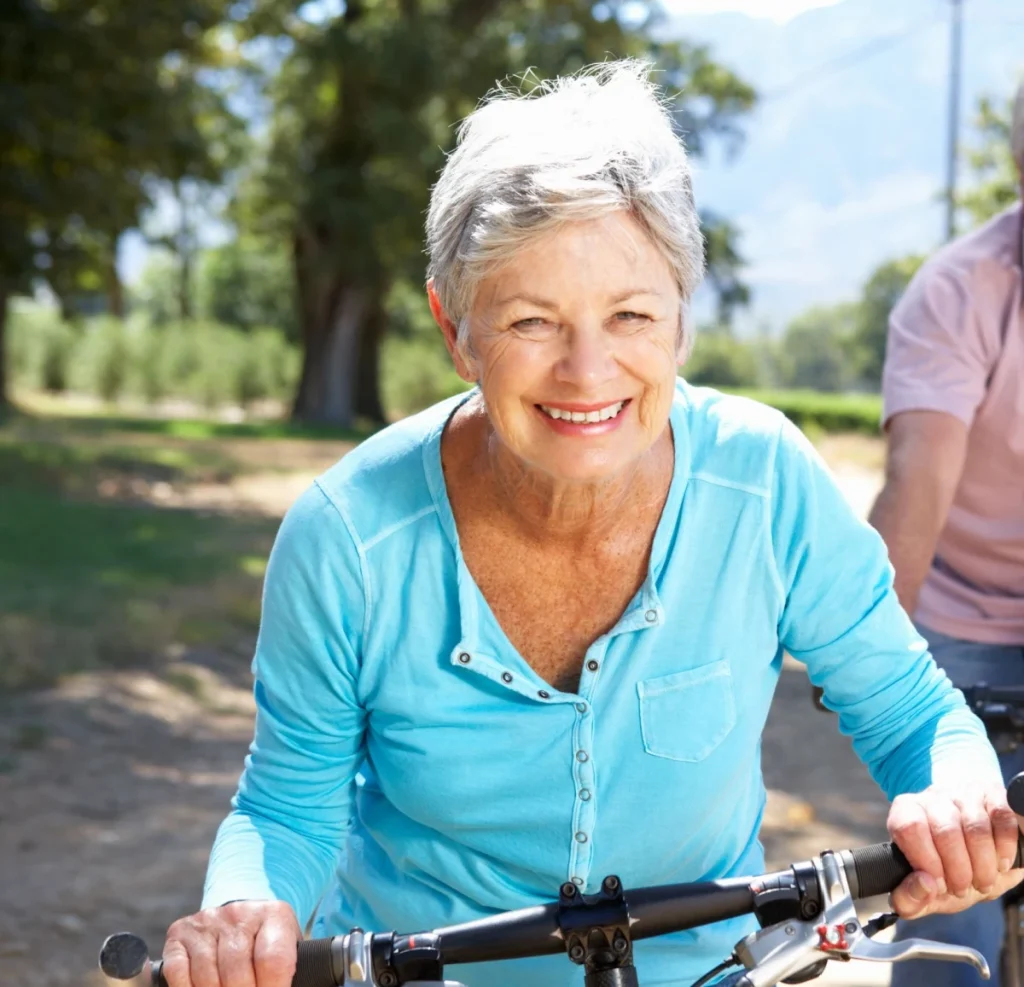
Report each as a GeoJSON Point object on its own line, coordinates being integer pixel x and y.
{"type": "Point", "coordinates": [962, 844]}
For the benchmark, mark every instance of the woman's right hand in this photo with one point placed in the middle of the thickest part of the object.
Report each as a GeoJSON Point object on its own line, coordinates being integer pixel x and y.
{"type": "Point", "coordinates": [242, 944]}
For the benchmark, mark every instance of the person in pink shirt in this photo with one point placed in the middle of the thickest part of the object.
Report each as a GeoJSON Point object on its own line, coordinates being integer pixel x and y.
{"type": "Point", "coordinates": [952, 507]}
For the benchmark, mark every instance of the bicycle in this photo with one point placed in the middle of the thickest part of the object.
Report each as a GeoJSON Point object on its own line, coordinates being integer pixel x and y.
{"type": "Point", "coordinates": [806, 915]}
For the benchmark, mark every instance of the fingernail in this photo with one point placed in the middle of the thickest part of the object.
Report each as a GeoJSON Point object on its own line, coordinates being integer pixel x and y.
{"type": "Point", "coordinates": [986, 890]}
{"type": "Point", "coordinates": [1005, 864]}
{"type": "Point", "coordinates": [921, 888]}
{"type": "Point", "coordinates": [940, 886]}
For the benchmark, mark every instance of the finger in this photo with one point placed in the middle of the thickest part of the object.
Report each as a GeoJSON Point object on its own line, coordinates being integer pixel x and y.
{"type": "Point", "coordinates": [275, 953]}
{"type": "Point", "coordinates": [202, 955]}
{"type": "Point", "coordinates": [176, 966]}
{"type": "Point", "coordinates": [234, 957]}
{"type": "Point", "coordinates": [947, 832]}
{"type": "Point", "coordinates": [915, 895]}
{"type": "Point", "coordinates": [1005, 828]}
{"type": "Point", "coordinates": [910, 829]}
{"type": "Point", "coordinates": [979, 839]}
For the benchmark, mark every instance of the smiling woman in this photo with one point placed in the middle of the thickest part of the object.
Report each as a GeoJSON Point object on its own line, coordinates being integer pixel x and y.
{"type": "Point", "coordinates": [530, 636]}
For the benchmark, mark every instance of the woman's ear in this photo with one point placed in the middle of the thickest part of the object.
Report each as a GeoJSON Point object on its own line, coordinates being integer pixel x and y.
{"type": "Point", "coordinates": [450, 331]}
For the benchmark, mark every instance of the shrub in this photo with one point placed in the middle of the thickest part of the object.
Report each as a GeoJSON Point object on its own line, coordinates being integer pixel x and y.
{"type": "Point", "coordinates": [40, 346]}
{"type": "Point", "coordinates": [416, 373]}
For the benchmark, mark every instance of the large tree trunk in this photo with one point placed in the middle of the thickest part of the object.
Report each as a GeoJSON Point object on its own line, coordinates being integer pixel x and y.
{"type": "Point", "coordinates": [342, 318]}
{"type": "Point", "coordinates": [115, 292]}
{"type": "Point", "coordinates": [4, 405]}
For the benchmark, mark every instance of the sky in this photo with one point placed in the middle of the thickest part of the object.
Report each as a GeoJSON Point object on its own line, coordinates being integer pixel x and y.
{"type": "Point", "coordinates": [779, 11]}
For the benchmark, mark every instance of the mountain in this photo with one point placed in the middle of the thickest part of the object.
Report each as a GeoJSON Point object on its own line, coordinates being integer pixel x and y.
{"type": "Point", "coordinates": [844, 160]}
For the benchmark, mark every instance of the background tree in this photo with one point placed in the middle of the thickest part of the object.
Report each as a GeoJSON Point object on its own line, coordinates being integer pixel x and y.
{"type": "Point", "coordinates": [879, 296]}
{"type": "Point", "coordinates": [86, 118]}
{"type": "Point", "coordinates": [814, 351]}
{"type": "Point", "coordinates": [996, 181]}
{"type": "Point", "coordinates": [364, 108]}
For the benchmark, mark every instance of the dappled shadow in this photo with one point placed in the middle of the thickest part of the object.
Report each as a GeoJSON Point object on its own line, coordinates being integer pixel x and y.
{"type": "Point", "coordinates": [111, 792]}
{"type": "Point", "coordinates": [198, 428]}
{"type": "Point", "coordinates": [821, 794]}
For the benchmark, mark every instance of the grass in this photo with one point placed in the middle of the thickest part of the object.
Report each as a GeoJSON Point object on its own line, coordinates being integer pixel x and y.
{"type": "Point", "coordinates": [90, 580]}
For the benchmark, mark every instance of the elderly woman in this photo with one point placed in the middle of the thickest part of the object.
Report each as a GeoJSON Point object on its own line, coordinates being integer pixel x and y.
{"type": "Point", "coordinates": [531, 635]}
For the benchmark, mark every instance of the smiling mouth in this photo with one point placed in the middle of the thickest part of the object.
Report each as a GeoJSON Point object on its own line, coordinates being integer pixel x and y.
{"type": "Point", "coordinates": [584, 417]}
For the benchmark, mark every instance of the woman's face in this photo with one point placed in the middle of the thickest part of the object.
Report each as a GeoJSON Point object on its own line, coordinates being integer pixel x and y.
{"type": "Point", "coordinates": [575, 345]}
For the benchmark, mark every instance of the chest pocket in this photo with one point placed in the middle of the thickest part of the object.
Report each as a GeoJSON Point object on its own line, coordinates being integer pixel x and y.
{"type": "Point", "coordinates": [686, 715]}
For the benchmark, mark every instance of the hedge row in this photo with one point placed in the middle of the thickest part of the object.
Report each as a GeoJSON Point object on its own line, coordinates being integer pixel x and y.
{"type": "Point", "coordinates": [812, 410]}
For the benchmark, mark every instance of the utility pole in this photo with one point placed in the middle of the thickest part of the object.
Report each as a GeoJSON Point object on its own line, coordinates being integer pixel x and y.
{"type": "Point", "coordinates": [953, 136]}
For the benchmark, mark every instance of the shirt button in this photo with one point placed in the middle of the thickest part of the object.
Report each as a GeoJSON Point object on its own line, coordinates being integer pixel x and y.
{"type": "Point", "coordinates": [506, 677]}
{"type": "Point", "coordinates": [581, 707]}
{"type": "Point", "coordinates": [581, 837]}
{"type": "Point", "coordinates": [578, 881]}
{"type": "Point", "coordinates": [593, 665]}
{"type": "Point", "coordinates": [584, 794]}
{"type": "Point", "coordinates": [464, 657]}
{"type": "Point", "coordinates": [651, 616]}
{"type": "Point", "coordinates": [581, 755]}
{"type": "Point", "coordinates": [544, 695]}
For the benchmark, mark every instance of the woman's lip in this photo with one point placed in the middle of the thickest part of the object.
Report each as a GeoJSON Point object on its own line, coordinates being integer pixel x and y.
{"type": "Point", "coordinates": [581, 407]}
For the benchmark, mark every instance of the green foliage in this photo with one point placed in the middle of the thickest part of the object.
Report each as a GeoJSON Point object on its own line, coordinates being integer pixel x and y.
{"type": "Point", "coordinates": [720, 360]}
{"type": "Point", "coordinates": [416, 373]}
{"type": "Point", "coordinates": [40, 346]}
{"type": "Point", "coordinates": [102, 359]}
{"type": "Point", "coordinates": [814, 410]}
{"type": "Point", "coordinates": [996, 180]}
{"type": "Point", "coordinates": [879, 296]}
{"type": "Point", "coordinates": [247, 283]}
{"type": "Point", "coordinates": [109, 358]}
{"type": "Point", "coordinates": [814, 352]}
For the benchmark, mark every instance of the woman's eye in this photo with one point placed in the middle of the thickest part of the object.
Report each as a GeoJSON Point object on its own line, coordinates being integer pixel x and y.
{"type": "Point", "coordinates": [629, 317]}
{"type": "Point", "coordinates": [535, 322]}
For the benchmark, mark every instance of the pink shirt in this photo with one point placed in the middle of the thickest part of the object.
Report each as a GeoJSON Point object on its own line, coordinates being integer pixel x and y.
{"type": "Point", "coordinates": [956, 344]}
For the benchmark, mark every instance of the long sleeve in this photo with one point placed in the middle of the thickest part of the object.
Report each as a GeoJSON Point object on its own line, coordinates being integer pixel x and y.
{"type": "Point", "coordinates": [294, 798]}
{"type": "Point", "coordinates": [842, 619]}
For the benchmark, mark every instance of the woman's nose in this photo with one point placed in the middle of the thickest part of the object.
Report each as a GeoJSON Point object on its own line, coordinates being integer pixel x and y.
{"type": "Point", "coordinates": [587, 359]}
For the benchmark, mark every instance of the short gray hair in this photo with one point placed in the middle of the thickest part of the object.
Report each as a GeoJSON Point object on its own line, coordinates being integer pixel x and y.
{"type": "Point", "coordinates": [575, 148]}
{"type": "Point", "coordinates": [1017, 128]}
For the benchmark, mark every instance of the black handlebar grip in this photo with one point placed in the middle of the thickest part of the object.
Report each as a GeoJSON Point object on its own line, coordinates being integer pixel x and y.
{"type": "Point", "coordinates": [1015, 793]}
{"type": "Point", "coordinates": [878, 869]}
{"type": "Point", "coordinates": [318, 965]}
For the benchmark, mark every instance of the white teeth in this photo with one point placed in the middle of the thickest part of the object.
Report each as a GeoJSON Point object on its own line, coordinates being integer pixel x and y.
{"type": "Point", "coordinates": [590, 417]}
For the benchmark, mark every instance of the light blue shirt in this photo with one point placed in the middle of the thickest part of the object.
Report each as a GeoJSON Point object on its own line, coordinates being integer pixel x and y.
{"type": "Point", "coordinates": [410, 770]}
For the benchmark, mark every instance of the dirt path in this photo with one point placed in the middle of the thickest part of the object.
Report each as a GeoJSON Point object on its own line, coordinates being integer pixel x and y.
{"type": "Point", "coordinates": [112, 786]}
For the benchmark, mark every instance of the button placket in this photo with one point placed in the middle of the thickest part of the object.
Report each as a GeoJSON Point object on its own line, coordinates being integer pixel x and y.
{"type": "Point", "coordinates": [584, 814]}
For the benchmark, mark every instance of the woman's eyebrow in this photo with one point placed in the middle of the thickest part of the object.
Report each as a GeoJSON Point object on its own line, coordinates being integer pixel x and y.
{"type": "Point", "coordinates": [530, 299]}
{"type": "Point", "coordinates": [633, 293]}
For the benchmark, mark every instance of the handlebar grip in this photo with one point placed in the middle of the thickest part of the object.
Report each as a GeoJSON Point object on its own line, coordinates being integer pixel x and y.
{"type": "Point", "coordinates": [1015, 793]}
{"type": "Point", "coordinates": [879, 869]}
{"type": "Point", "coordinates": [318, 965]}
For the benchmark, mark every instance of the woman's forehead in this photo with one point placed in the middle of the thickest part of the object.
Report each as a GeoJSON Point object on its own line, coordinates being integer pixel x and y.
{"type": "Point", "coordinates": [611, 254]}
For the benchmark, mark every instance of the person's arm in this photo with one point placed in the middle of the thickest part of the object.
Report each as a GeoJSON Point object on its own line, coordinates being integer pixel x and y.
{"type": "Point", "coordinates": [924, 459]}
{"type": "Point", "coordinates": [294, 799]}
{"type": "Point", "coordinates": [939, 354]}
{"type": "Point", "coordinates": [839, 615]}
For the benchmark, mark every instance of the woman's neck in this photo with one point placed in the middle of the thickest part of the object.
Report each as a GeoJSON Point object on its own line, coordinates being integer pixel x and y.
{"type": "Point", "coordinates": [543, 506]}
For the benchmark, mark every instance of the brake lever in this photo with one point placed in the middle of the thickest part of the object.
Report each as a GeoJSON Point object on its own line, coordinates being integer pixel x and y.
{"type": "Point", "coordinates": [784, 950]}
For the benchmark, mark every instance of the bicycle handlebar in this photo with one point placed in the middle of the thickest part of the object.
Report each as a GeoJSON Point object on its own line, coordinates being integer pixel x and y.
{"type": "Point", "coordinates": [535, 931]}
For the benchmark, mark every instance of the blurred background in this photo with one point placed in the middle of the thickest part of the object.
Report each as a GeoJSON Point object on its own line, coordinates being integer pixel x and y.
{"type": "Point", "coordinates": [211, 271]}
